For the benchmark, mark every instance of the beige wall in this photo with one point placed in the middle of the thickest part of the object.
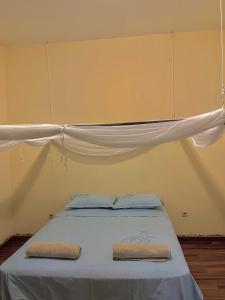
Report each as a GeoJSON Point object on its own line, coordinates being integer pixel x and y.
{"type": "Point", "coordinates": [6, 223]}
{"type": "Point", "coordinates": [114, 80]}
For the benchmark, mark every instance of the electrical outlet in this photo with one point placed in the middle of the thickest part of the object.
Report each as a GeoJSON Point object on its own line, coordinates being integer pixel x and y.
{"type": "Point", "coordinates": [50, 216]}
{"type": "Point", "coordinates": [184, 214]}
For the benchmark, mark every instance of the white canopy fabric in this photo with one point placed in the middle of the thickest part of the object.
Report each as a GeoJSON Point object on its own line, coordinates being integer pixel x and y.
{"type": "Point", "coordinates": [109, 140]}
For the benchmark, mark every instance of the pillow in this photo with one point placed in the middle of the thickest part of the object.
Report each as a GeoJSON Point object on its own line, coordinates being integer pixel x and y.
{"type": "Point", "coordinates": [137, 201]}
{"type": "Point", "coordinates": [91, 201]}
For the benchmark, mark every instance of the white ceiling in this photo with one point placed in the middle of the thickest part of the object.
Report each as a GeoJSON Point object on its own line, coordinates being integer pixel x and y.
{"type": "Point", "coordinates": [34, 21]}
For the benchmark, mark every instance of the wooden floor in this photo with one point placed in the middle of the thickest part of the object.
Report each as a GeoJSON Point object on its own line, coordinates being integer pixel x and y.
{"type": "Point", "coordinates": [205, 257]}
{"type": "Point", "coordinates": [206, 260]}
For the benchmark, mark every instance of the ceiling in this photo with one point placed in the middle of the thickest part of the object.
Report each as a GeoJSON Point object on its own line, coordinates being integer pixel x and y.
{"type": "Point", "coordinates": [35, 21]}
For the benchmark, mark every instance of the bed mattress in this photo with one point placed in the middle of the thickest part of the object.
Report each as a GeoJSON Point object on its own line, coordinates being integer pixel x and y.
{"type": "Point", "coordinates": [95, 276]}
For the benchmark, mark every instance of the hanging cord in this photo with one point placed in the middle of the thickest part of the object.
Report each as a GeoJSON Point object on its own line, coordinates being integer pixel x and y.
{"type": "Point", "coordinates": [49, 82]}
{"type": "Point", "coordinates": [50, 97]}
{"type": "Point", "coordinates": [222, 54]}
{"type": "Point", "coordinates": [172, 75]}
{"type": "Point", "coordinates": [62, 139]}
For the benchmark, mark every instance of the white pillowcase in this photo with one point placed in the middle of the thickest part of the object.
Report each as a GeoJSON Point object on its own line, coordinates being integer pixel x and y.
{"type": "Point", "coordinates": [91, 201]}
{"type": "Point", "coordinates": [137, 201]}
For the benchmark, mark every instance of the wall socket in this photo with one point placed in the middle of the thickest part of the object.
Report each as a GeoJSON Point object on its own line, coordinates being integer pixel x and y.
{"type": "Point", "coordinates": [50, 216]}
{"type": "Point", "coordinates": [184, 214]}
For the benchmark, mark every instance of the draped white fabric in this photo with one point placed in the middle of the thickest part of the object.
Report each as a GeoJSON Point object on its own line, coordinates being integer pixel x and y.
{"type": "Point", "coordinates": [105, 140]}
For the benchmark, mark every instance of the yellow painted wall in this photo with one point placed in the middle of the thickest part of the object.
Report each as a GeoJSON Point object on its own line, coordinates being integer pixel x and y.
{"type": "Point", "coordinates": [123, 79]}
{"type": "Point", "coordinates": [6, 219]}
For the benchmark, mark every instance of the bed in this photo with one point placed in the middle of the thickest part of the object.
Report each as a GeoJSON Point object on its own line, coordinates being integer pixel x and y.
{"type": "Point", "coordinates": [95, 276]}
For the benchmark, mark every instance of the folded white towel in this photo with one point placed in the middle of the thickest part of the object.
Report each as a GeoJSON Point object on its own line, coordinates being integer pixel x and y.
{"type": "Point", "coordinates": [53, 250]}
{"type": "Point", "coordinates": [138, 251]}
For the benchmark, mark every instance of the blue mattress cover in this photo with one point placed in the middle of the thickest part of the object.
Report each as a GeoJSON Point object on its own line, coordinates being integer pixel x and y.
{"type": "Point", "coordinates": [95, 275]}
